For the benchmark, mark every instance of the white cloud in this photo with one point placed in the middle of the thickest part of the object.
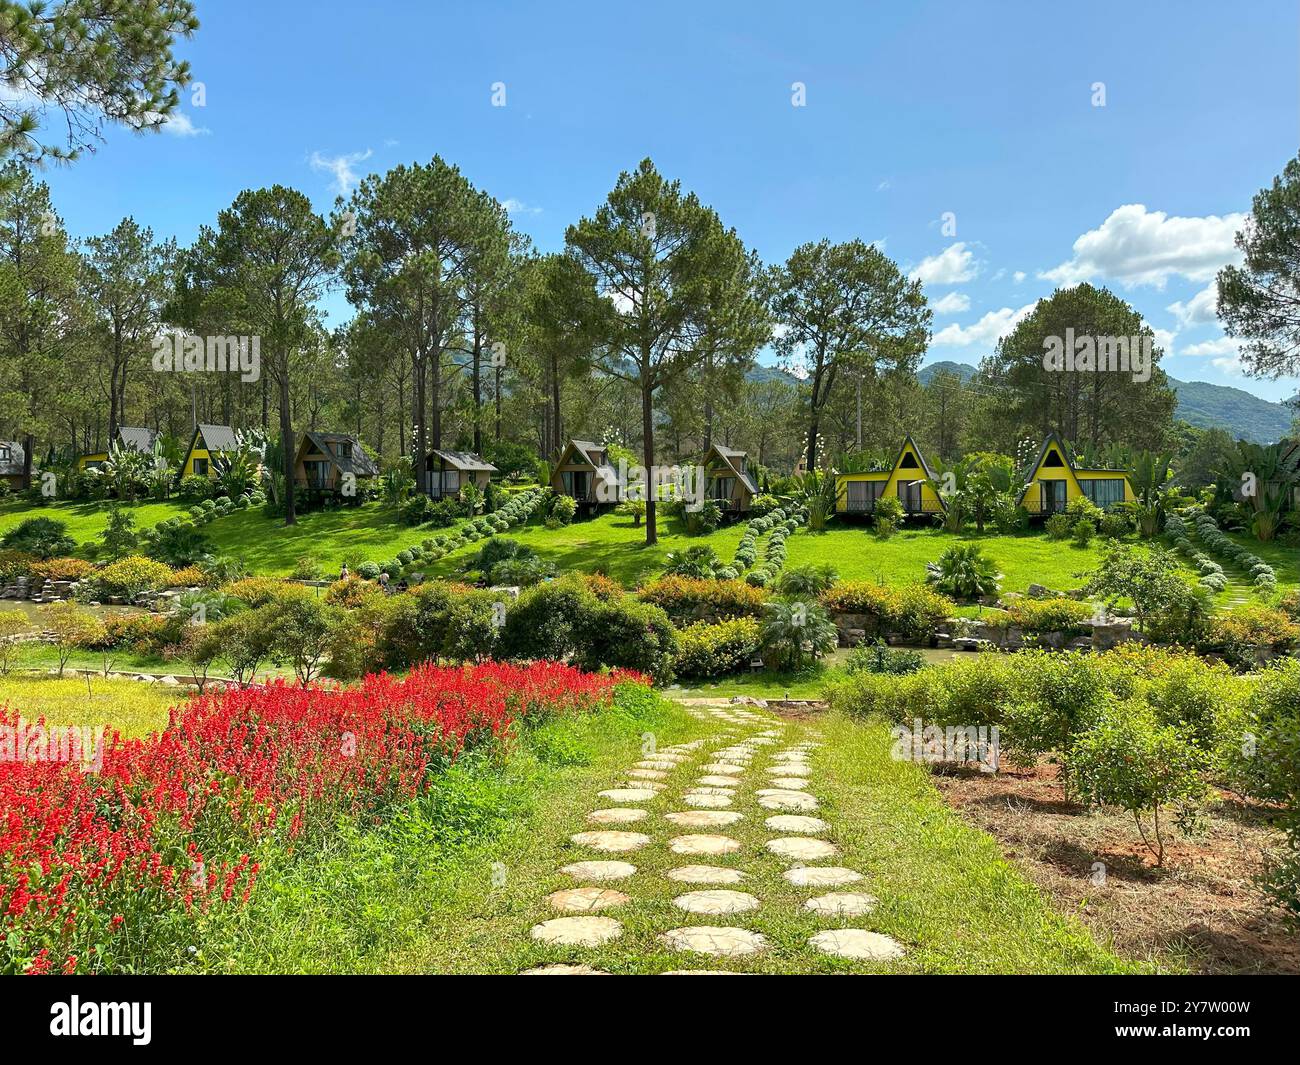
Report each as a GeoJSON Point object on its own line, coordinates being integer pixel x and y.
{"type": "Point", "coordinates": [179, 124]}
{"type": "Point", "coordinates": [955, 264]}
{"type": "Point", "coordinates": [514, 206]}
{"type": "Point", "coordinates": [1200, 309]}
{"type": "Point", "coordinates": [883, 186]}
{"type": "Point", "coordinates": [1164, 338]}
{"type": "Point", "coordinates": [1139, 247]}
{"type": "Point", "coordinates": [952, 303]}
{"type": "Point", "coordinates": [341, 166]}
{"type": "Point", "coordinates": [1018, 276]}
{"type": "Point", "coordinates": [986, 332]}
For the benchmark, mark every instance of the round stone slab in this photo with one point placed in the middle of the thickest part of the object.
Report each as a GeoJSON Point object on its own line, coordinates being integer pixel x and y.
{"type": "Point", "coordinates": [618, 815]}
{"type": "Point", "coordinates": [703, 818]}
{"type": "Point", "coordinates": [575, 900]}
{"type": "Point", "coordinates": [577, 931]}
{"type": "Point", "coordinates": [713, 789]}
{"type": "Point", "coordinates": [716, 780]}
{"type": "Point", "coordinates": [629, 794]}
{"type": "Point", "coordinates": [793, 769]}
{"type": "Point", "coordinates": [857, 944]}
{"type": "Point", "coordinates": [561, 969]}
{"type": "Point", "coordinates": [795, 823]}
{"type": "Point", "coordinates": [611, 842]}
{"type": "Point", "coordinates": [703, 844]}
{"type": "Point", "coordinates": [599, 870]}
{"type": "Point", "coordinates": [705, 874]}
{"type": "Point", "coordinates": [656, 763]}
{"type": "Point", "coordinates": [720, 942]}
{"type": "Point", "coordinates": [699, 972]}
{"type": "Point", "coordinates": [708, 802]}
{"type": "Point", "coordinates": [646, 774]}
{"type": "Point", "coordinates": [802, 849]}
{"type": "Point", "coordinates": [790, 783]}
{"type": "Point", "coordinates": [715, 902]}
{"type": "Point", "coordinates": [841, 904]}
{"type": "Point", "coordinates": [723, 767]}
{"type": "Point", "coordinates": [788, 800]}
{"type": "Point", "coordinates": [821, 876]}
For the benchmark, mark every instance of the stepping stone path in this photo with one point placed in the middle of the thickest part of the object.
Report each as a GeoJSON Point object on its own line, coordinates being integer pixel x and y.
{"type": "Point", "coordinates": [745, 744]}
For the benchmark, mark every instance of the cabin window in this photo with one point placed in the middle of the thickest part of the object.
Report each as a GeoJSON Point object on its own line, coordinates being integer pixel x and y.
{"type": "Point", "coordinates": [723, 488]}
{"type": "Point", "coordinates": [5, 454]}
{"type": "Point", "coordinates": [909, 462]}
{"type": "Point", "coordinates": [317, 473]}
{"type": "Point", "coordinates": [862, 495]}
{"type": "Point", "coordinates": [450, 482]}
{"type": "Point", "coordinates": [345, 449]}
{"type": "Point", "coordinates": [909, 492]}
{"type": "Point", "coordinates": [1053, 460]}
{"type": "Point", "coordinates": [575, 483]}
{"type": "Point", "coordinates": [1104, 491]}
{"type": "Point", "coordinates": [200, 467]}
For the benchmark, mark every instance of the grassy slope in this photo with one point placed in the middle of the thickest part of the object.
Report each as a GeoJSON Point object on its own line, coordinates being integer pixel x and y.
{"type": "Point", "coordinates": [134, 709]}
{"type": "Point", "coordinates": [85, 521]}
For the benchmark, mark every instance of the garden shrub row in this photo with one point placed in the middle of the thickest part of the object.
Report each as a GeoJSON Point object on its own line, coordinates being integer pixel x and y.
{"type": "Point", "coordinates": [777, 523]}
{"type": "Point", "coordinates": [914, 611]}
{"type": "Point", "coordinates": [515, 512]}
{"type": "Point", "coordinates": [1217, 541]}
{"type": "Point", "coordinates": [689, 599]}
{"type": "Point", "coordinates": [714, 650]}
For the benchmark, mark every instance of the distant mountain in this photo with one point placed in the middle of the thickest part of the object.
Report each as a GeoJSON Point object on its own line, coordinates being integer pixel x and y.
{"type": "Point", "coordinates": [1242, 413]}
{"type": "Point", "coordinates": [1206, 406]}
{"type": "Point", "coordinates": [964, 370]}
{"type": "Point", "coordinates": [761, 374]}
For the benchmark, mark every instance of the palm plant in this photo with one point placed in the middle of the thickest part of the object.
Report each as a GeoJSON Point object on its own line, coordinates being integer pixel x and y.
{"type": "Point", "coordinates": [964, 572]}
{"type": "Point", "coordinates": [1152, 481]}
{"type": "Point", "coordinates": [795, 634]}
{"type": "Point", "coordinates": [817, 490]}
{"type": "Point", "coordinates": [807, 581]}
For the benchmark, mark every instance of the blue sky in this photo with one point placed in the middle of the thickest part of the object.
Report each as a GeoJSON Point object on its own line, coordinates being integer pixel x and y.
{"type": "Point", "coordinates": [912, 110]}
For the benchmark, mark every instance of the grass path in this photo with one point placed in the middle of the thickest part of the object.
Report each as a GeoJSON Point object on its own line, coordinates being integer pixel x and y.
{"type": "Point", "coordinates": [946, 896]}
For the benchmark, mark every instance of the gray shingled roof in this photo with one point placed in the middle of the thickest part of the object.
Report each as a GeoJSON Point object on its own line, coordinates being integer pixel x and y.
{"type": "Point", "coordinates": [136, 438]}
{"type": "Point", "coordinates": [590, 450]}
{"type": "Point", "coordinates": [465, 460]}
{"type": "Point", "coordinates": [359, 465]}
{"type": "Point", "coordinates": [218, 437]}
{"type": "Point", "coordinates": [13, 466]}
{"type": "Point", "coordinates": [727, 455]}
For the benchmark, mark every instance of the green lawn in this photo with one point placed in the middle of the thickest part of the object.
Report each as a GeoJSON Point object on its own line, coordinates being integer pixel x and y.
{"type": "Point", "coordinates": [86, 521]}
{"type": "Point", "coordinates": [609, 544]}
{"type": "Point", "coordinates": [1024, 559]}
{"type": "Point", "coordinates": [1284, 560]}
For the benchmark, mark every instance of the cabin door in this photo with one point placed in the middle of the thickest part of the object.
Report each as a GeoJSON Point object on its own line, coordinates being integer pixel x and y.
{"type": "Point", "coordinates": [1053, 496]}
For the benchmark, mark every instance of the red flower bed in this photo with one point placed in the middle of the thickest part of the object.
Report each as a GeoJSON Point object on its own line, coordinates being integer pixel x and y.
{"type": "Point", "coordinates": [93, 864]}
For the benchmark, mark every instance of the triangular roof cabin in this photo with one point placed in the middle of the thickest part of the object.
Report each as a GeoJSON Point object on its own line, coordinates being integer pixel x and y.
{"type": "Point", "coordinates": [727, 478]}
{"type": "Point", "coordinates": [1053, 482]}
{"type": "Point", "coordinates": [908, 479]}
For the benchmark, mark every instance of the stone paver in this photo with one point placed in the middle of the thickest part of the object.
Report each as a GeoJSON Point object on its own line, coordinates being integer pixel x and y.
{"type": "Point", "coordinates": [574, 900]}
{"type": "Point", "coordinates": [788, 800]}
{"type": "Point", "coordinates": [577, 931]}
{"type": "Point", "coordinates": [629, 794]}
{"type": "Point", "coordinates": [802, 849]}
{"type": "Point", "coordinates": [599, 870]}
{"type": "Point", "coordinates": [790, 783]}
{"type": "Point", "coordinates": [611, 842]}
{"type": "Point", "coordinates": [561, 969]}
{"type": "Point", "coordinates": [720, 942]}
{"type": "Point", "coordinates": [723, 767]}
{"type": "Point", "coordinates": [841, 904]}
{"type": "Point", "coordinates": [705, 874]}
{"type": "Point", "coordinates": [716, 902]}
{"type": "Point", "coordinates": [708, 802]}
{"type": "Point", "coordinates": [703, 844]}
{"type": "Point", "coordinates": [646, 774]}
{"type": "Point", "coordinates": [821, 876]}
{"type": "Point", "coordinates": [791, 770]}
{"type": "Point", "coordinates": [618, 815]}
{"type": "Point", "coordinates": [716, 780]}
{"type": "Point", "coordinates": [857, 944]}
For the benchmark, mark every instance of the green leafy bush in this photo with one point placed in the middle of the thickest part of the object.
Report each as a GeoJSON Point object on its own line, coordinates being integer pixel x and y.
{"type": "Point", "coordinates": [964, 572]}
{"type": "Point", "coordinates": [688, 600]}
{"type": "Point", "coordinates": [715, 650]}
{"type": "Point", "coordinates": [39, 537]}
{"type": "Point", "coordinates": [1059, 526]}
{"type": "Point", "coordinates": [879, 657]}
{"type": "Point", "coordinates": [1130, 760]}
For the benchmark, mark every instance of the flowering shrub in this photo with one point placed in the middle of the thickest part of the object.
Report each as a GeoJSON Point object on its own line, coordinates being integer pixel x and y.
{"type": "Point", "coordinates": [130, 576]}
{"type": "Point", "coordinates": [119, 867]}
{"type": "Point", "coordinates": [915, 611]}
{"type": "Point", "coordinates": [686, 599]}
{"type": "Point", "coordinates": [62, 569]}
{"type": "Point", "coordinates": [714, 650]}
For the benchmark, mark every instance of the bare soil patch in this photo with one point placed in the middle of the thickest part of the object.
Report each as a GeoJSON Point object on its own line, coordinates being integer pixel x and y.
{"type": "Point", "coordinates": [1204, 909]}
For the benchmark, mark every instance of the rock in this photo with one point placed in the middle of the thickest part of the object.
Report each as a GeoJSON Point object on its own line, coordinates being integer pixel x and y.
{"type": "Point", "coordinates": [716, 901]}
{"type": "Point", "coordinates": [857, 944]}
{"type": "Point", "coordinates": [720, 942]}
{"type": "Point", "coordinates": [599, 870]}
{"type": "Point", "coordinates": [1039, 591]}
{"type": "Point", "coordinates": [577, 931]}
{"type": "Point", "coordinates": [705, 874]}
{"type": "Point", "coordinates": [169, 681]}
{"type": "Point", "coordinates": [703, 844]}
{"type": "Point", "coordinates": [611, 842]}
{"type": "Point", "coordinates": [821, 876]}
{"type": "Point", "coordinates": [586, 898]}
{"type": "Point", "coordinates": [842, 904]}
{"type": "Point", "coordinates": [802, 848]}
{"type": "Point", "coordinates": [561, 969]}
{"type": "Point", "coordinates": [618, 815]}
